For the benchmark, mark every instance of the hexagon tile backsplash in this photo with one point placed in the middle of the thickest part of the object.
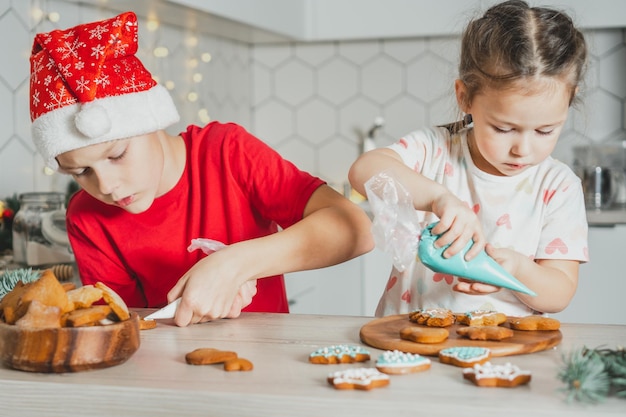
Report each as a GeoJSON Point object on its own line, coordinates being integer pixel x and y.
{"type": "Point", "coordinates": [312, 102]}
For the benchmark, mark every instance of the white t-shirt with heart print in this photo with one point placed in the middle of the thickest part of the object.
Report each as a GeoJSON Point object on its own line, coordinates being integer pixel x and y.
{"type": "Point", "coordinates": [539, 213]}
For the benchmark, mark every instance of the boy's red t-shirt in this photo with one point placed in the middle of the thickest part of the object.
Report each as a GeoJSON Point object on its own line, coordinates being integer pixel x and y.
{"type": "Point", "coordinates": [234, 187]}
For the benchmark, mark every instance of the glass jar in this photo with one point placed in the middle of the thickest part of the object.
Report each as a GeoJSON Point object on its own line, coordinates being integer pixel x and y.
{"type": "Point", "coordinates": [29, 243]}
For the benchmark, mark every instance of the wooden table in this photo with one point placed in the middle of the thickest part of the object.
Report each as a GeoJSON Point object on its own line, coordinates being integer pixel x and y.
{"type": "Point", "coordinates": [156, 381]}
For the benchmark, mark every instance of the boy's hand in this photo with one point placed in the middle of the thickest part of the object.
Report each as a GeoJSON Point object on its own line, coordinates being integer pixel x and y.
{"type": "Point", "coordinates": [244, 297]}
{"type": "Point", "coordinates": [212, 289]}
{"type": "Point", "coordinates": [458, 224]}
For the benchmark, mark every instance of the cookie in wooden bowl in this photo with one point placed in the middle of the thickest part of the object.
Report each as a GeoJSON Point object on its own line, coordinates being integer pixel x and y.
{"type": "Point", "coordinates": [44, 330]}
{"type": "Point", "coordinates": [68, 349]}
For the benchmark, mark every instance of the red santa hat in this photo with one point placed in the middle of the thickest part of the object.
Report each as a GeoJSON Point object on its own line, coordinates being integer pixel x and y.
{"type": "Point", "coordinates": [88, 87]}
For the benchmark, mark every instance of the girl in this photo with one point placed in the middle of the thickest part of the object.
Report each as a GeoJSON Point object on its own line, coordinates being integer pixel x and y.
{"type": "Point", "coordinates": [490, 178]}
{"type": "Point", "coordinates": [145, 195]}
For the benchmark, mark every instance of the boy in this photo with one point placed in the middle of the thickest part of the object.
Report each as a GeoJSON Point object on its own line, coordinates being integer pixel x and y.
{"type": "Point", "coordinates": [99, 116]}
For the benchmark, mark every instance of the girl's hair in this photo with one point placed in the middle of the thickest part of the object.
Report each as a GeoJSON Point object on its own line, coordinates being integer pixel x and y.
{"type": "Point", "coordinates": [513, 42]}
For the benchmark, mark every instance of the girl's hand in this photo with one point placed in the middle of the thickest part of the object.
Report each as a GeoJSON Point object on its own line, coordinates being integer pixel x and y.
{"type": "Point", "coordinates": [507, 258]}
{"type": "Point", "coordinates": [458, 224]}
{"type": "Point", "coordinates": [470, 287]}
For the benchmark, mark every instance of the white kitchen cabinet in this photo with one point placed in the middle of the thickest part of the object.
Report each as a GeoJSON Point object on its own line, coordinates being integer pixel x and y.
{"type": "Point", "coordinates": [333, 290]}
{"type": "Point", "coordinates": [376, 268]}
{"type": "Point", "coordinates": [601, 294]}
{"type": "Point", "coordinates": [351, 288]}
{"type": "Point", "coordinates": [324, 20]}
{"type": "Point", "coordinates": [271, 21]}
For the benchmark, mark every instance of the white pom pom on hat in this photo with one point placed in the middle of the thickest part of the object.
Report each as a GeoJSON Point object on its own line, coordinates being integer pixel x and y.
{"type": "Point", "coordinates": [93, 121]}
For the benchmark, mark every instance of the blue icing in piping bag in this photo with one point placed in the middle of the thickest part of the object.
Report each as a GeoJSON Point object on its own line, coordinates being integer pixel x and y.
{"type": "Point", "coordinates": [482, 268]}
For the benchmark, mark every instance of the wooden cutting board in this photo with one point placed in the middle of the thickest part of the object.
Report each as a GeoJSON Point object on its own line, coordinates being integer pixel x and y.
{"type": "Point", "coordinates": [384, 333]}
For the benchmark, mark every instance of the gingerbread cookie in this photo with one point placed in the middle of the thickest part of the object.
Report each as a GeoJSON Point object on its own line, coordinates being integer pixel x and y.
{"type": "Point", "coordinates": [481, 318]}
{"type": "Point", "coordinates": [113, 299]}
{"type": "Point", "coordinates": [464, 356]}
{"type": "Point", "coordinates": [209, 356]}
{"type": "Point", "coordinates": [147, 324]}
{"type": "Point", "coordinates": [424, 334]}
{"type": "Point", "coordinates": [488, 375]}
{"type": "Point", "coordinates": [358, 378]}
{"type": "Point", "coordinates": [238, 364]}
{"type": "Point", "coordinates": [495, 333]}
{"type": "Point", "coordinates": [534, 322]}
{"type": "Point", "coordinates": [82, 317]}
{"type": "Point", "coordinates": [339, 354]}
{"type": "Point", "coordinates": [396, 362]}
{"type": "Point", "coordinates": [40, 316]}
{"type": "Point", "coordinates": [433, 317]}
{"type": "Point", "coordinates": [84, 297]}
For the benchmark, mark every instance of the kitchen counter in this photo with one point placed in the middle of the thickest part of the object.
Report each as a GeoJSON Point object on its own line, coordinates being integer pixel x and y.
{"type": "Point", "coordinates": [156, 381]}
{"type": "Point", "coordinates": [604, 218]}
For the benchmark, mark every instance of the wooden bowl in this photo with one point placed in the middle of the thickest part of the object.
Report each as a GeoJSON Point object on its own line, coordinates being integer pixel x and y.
{"type": "Point", "coordinates": [68, 349]}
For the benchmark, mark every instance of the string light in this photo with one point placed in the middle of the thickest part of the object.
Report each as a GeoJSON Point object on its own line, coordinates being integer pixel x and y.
{"type": "Point", "coordinates": [203, 115]}
{"type": "Point", "coordinates": [39, 15]}
{"type": "Point", "coordinates": [152, 24]}
{"type": "Point", "coordinates": [191, 41]}
{"type": "Point", "coordinates": [161, 52]}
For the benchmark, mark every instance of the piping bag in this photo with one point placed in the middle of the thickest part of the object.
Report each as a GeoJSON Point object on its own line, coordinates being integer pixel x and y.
{"type": "Point", "coordinates": [397, 230]}
{"type": "Point", "coordinates": [482, 268]}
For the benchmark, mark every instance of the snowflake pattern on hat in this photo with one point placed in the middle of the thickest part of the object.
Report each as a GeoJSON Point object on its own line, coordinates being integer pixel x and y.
{"type": "Point", "coordinates": [80, 65]}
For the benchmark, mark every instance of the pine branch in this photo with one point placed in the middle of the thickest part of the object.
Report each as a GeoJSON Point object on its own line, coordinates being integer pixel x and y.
{"type": "Point", "coordinates": [10, 278]}
{"type": "Point", "coordinates": [591, 375]}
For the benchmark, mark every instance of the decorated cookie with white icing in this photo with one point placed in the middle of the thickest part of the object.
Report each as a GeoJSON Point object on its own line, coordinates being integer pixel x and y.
{"type": "Point", "coordinates": [358, 378]}
{"type": "Point", "coordinates": [339, 354]}
{"type": "Point", "coordinates": [397, 362]}
{"type": "Point", "coordinates": [464, 356]}
{"type": "Point", "coordinates": [481, 318]}
{"type": "Point", "coordinates": [489, 375]}
{"type": "Point", "coordinates": [433, 317]}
